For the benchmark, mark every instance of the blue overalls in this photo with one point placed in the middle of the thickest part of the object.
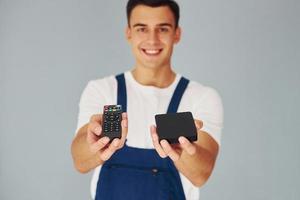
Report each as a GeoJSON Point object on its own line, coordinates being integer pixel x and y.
{"type": "Point", "coordinates": [141, 174]}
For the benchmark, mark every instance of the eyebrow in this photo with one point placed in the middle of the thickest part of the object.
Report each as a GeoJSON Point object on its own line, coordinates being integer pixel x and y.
{"type": "Point", "coordinates": [161, 24]}
{"type": "Point", "coordinates": [165, 24]}
{"type": "Point", "coordinates": [139, 24]}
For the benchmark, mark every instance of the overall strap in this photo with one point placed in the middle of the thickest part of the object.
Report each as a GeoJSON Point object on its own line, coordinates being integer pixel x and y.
{"type": "Point", "coordinates": [177, 95]}
{"type": "Point", "coordinates": [122, 95]}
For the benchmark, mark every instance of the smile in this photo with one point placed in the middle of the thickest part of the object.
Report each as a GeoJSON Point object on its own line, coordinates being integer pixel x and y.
{"type": "Point", "coordinates": [152, 52]}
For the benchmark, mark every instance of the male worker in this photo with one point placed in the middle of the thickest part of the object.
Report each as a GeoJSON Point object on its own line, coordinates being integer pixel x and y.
{"type": "Point", "coordinates": [138, 166]}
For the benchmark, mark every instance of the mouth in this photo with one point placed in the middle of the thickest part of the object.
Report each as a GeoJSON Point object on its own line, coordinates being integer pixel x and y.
{"type": "Point", "coordinates": [152, 52]}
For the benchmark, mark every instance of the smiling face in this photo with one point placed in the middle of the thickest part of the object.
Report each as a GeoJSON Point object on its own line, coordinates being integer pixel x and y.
{"type": "Point", "coordinates": [152, 35]}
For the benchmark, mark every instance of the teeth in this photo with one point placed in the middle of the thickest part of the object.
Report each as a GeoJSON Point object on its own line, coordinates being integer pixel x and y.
{"type": "Point", "coordinates": [152, 51]}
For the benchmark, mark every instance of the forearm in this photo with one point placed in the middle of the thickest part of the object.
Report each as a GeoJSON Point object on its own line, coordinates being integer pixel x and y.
{"type": "Point", "coordinates": [84, 160]}
{"type": "Point", "coordinates": [198, 167]}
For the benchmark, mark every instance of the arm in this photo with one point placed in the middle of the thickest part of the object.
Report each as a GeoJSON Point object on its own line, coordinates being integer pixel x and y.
{"type": "Point", "coordinates": [194, 160]}
{"type": "Point", "coordinates": [199, 166]}
{"type": "Point", "coordinates": [89, 150]}
{"type": "Point", "coordinates": [84, 159]}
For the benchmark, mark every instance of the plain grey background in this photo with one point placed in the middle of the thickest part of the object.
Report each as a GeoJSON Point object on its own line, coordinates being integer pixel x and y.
{"type": "Point", "coordinates": [248, 50]}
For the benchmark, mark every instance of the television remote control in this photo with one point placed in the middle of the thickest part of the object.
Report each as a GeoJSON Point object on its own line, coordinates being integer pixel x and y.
{"type": "Point", "coordinates": [112, 117]}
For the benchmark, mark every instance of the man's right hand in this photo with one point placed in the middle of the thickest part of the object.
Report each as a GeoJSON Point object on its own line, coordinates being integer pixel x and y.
{"type": "Point", "coordinates": [100, 145]}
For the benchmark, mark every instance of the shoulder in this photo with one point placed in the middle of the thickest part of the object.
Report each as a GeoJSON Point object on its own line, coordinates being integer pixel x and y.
{"type": "Point", "coordinates": [204, 101]}
{"type": "Point", "coordinates": [199, 91]}
{"type": "Point", "coordinates": [101, 88]}
{"type": "Point", "coordinates": [100, 84]}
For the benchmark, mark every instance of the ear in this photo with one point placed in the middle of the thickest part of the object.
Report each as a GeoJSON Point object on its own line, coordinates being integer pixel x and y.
{"type": "Point", "coordinates": [128, 33]}
{"type": "Point", "coordinates": [177, 35]}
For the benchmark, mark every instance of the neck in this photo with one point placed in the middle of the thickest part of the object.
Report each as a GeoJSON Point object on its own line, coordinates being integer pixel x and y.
{"type": "Point", "coordinates": [154, 77]}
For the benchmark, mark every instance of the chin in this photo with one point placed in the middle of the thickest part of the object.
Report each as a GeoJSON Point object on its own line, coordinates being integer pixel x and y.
{"type": "Point", "coordinates": [151, 65]}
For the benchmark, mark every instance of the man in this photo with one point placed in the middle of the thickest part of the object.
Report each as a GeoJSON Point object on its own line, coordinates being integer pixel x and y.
{"type": "Point", "coordinates": [138, 166]}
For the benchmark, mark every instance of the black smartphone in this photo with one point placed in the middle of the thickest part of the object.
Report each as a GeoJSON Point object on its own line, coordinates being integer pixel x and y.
{"type": "Point", "coordinates": [173, 125]}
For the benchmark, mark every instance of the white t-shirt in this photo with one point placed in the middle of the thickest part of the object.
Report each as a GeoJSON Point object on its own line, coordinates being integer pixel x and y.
{"type": "Point", "coordinates": [143, 103]}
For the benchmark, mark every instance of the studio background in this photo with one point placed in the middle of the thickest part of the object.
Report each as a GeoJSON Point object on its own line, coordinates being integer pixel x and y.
{"type": "Point", "coordinates": [248, 50]}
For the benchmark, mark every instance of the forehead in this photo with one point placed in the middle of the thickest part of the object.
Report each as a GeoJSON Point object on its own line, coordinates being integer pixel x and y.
{"type": "Point", "coordinates": [152, 15]}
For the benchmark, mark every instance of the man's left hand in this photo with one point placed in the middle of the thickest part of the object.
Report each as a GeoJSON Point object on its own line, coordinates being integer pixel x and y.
{"type": "Point", "coordinates": [174, 151]}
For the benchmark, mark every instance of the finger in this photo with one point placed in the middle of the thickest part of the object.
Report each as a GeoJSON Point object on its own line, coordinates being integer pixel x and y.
{"type": "Point", "coordinates": [91, 138]}
{"type": "Point", "coordinates": [124, 125]}
{"type": "Point", "coordinates": [198, 123]}
{"type": "Point", "coordinates": [95, 128]}
{"type": "Point", "coordinates": [93, 131]}
{"type": "Point", "coordinates": [100, 144]}
{"type": "Point", "coordinates": [187, 146]}
{"type": "Point", "coordinates": [156, 144]}
{"type": "Point", "coordinates": [169, 150]}
{"type": "Point", "coordinates": [96, 118]}
{"type": "Point", "coordinates": [107, 153]}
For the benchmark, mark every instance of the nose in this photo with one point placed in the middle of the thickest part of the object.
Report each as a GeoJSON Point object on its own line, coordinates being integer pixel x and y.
{"type": "Point", "coordinates": [153, 37]}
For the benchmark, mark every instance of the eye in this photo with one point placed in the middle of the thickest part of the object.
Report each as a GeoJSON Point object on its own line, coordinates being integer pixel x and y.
{"type": "Point", "coordinates": [141, 29]}
{"type": "Point", "coordinates": [163, 30]}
